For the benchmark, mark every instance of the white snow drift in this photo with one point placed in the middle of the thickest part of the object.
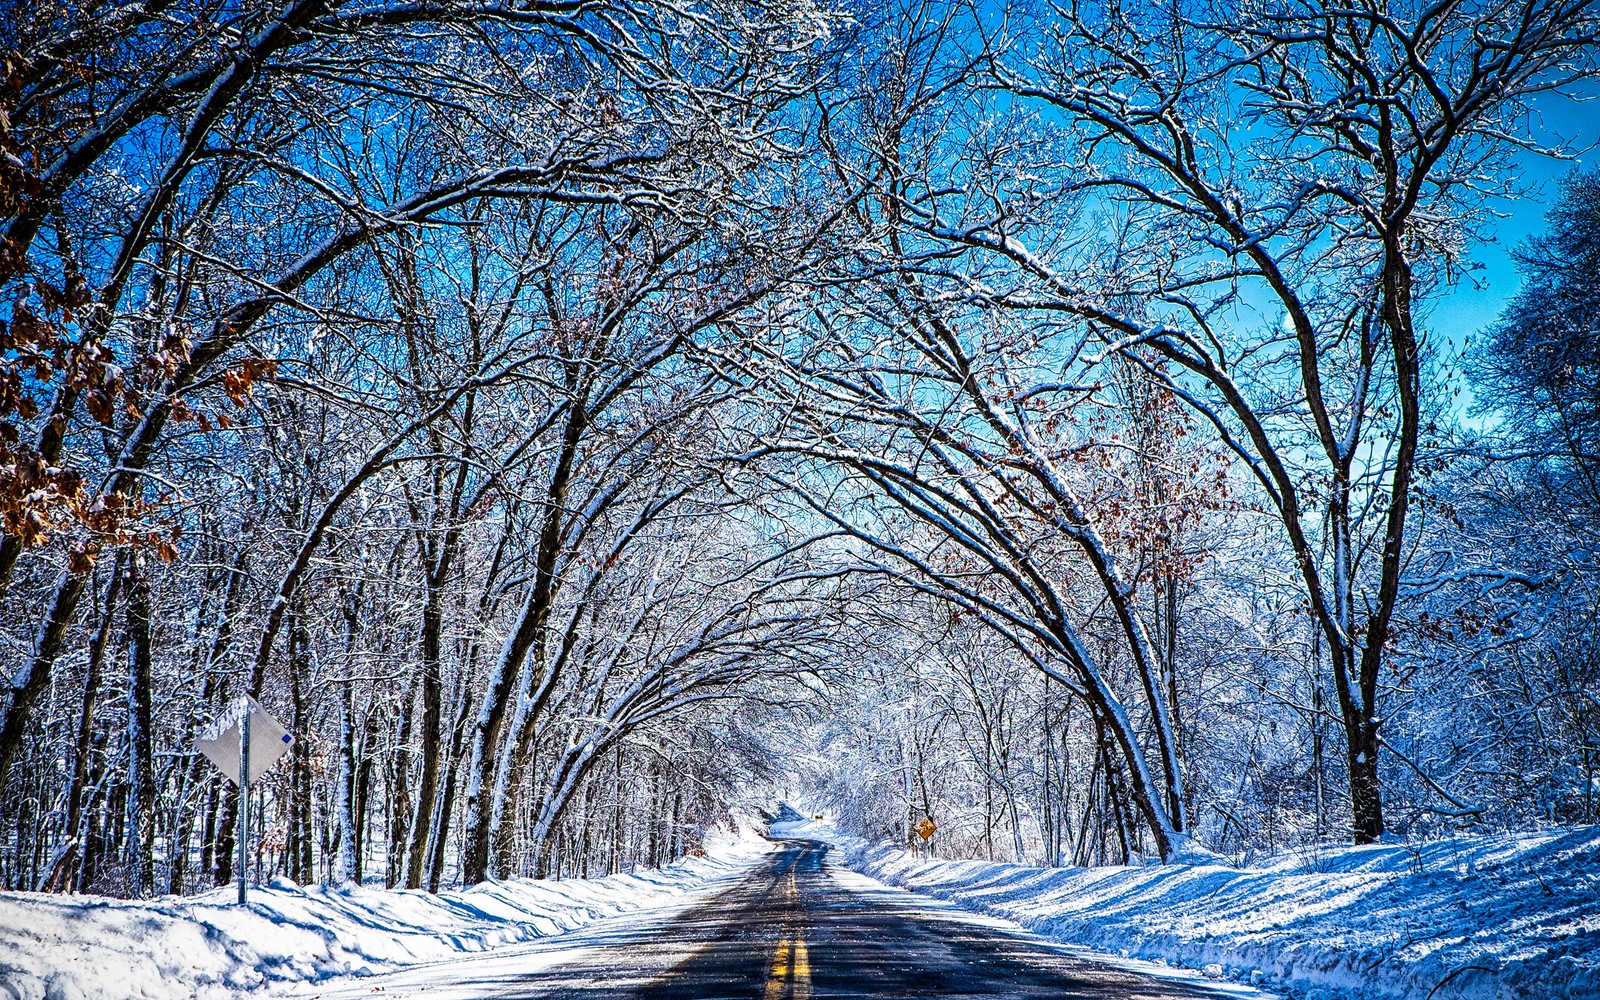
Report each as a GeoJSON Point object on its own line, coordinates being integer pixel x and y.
{"type": "Point", "coordinates": [1486, 918]}
{"type": "Point", "coordinates": [207, 948]}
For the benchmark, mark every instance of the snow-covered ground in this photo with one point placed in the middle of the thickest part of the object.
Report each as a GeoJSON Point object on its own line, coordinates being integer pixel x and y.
{"type": "Point", "coordinates": [1494, 918]}
{"type": "Point", "coordinates": [1486, 918]}
{"type": "Point", "coordinates": [206, 947]}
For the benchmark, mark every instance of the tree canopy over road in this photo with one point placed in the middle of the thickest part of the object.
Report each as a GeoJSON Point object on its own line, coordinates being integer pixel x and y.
{"type": "Point", "coordinates": [575, 417]}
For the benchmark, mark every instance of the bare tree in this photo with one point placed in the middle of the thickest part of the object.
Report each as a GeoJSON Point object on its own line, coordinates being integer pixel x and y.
{"type": "Point", "coordinates": [1283, 187]}
{"type": "Point", "coordinates": [212, 282]}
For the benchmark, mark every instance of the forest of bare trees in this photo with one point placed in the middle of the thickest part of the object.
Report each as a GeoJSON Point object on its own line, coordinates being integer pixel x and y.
{"type": "Point", "coordinates": [575, 419]}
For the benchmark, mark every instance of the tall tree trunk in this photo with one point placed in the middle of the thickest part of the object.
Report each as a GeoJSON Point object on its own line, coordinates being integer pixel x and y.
{"type": "Point", "coordinates": [1366, 793]}
{"type": "Point", "coordinates": [35, 680]}
{"type": "Point", "coordinates": [399, 780]}
{"type": "Point", "coordinates": [485, 742]}
{"type": "Point", "coordinates": [486, 733]}
{"type": "Point", "coordinates": [344, 869]}
{"type": "Point", "coordinates": [208, 826]}
{"type": "Point", "coordinates": [226, 833]}
{"type": "Point", "coordinates": [363, 797]}
{"type": "Point", "coordinates": [299, 863]}
{"type": "Point", "coordinates": [458, 734]}
{"type": "Point", "coordinates": [617, 831]}
{"type": "Point", "coordinates": [432, 734]}
{"type": "Point", "coordinates": [77, 787]}
{"type": "Point", "coordinates": [141, 759]}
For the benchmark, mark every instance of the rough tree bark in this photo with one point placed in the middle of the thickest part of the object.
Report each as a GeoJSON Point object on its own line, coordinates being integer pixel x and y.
{"type": "Point", "coordinates": [141, 757]}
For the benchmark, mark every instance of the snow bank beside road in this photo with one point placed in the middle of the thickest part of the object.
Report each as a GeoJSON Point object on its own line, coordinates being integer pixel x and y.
{"type": "Point", "coordinates": [207, 948]}
{"type": "Point", "coordinates": [1484, 918]}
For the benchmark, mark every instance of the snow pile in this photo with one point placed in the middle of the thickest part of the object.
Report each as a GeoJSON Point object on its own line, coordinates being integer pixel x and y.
{"type": "Point", "coordinates": [204, 947]}
{"type": "Point", "coordinates": [1488, 917]}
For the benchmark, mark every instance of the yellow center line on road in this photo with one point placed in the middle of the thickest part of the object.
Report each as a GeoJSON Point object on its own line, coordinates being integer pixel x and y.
{"type": "Point", "coordinates": [791, 963]}
{"type": "Point", "coordinates": [802, 971]}
{"type": "Point", "coordinates": [791, 971]}
{"type": "Point", "coordinates": [778, 978]}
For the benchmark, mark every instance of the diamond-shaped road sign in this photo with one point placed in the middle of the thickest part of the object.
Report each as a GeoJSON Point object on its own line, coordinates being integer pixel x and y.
{"type": "Point", "coordinates": [268, 739]}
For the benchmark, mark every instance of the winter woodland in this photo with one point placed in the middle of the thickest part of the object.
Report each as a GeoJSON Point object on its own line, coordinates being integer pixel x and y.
{"type": "Point", "coordinates": [576, 418]}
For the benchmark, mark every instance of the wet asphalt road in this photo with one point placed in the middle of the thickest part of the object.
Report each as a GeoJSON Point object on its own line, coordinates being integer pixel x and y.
{"type": "Point", "coordinates": [792, 929]}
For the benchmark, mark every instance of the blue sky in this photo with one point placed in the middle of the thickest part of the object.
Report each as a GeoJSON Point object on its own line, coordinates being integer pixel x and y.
{"type": "Point", "coordinates": [1465, 310]}
{"type": "Point", "coordinates": [1576, 123]}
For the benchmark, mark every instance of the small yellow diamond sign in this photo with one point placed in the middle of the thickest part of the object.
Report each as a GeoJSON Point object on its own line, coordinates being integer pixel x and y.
{"type": "Point", "coordinates": [925, 828]}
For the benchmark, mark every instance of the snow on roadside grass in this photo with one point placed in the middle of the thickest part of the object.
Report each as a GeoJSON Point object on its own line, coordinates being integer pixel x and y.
{"type": "Point", "coordinates": [206, 947]}
{"type": "Point", "coordinates": [1485, 917]}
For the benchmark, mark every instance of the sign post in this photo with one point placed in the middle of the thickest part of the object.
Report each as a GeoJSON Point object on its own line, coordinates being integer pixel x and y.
{"type": "Point", "coordinates": [244, 805]}
{"type": "Point", "coordinates": [244, 742]}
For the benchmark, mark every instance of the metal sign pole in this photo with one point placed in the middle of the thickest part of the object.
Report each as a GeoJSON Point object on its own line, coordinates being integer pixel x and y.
{"type": "Point", "coordinates": [244, 804]}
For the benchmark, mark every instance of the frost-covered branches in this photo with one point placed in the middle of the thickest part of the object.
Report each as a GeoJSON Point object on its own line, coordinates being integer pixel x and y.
{"type": "Point", "coordinates": [545, 407]}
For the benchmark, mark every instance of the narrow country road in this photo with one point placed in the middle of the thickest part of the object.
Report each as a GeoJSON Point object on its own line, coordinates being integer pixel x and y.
{"type": "Point", "coordinates": [790, 929]}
